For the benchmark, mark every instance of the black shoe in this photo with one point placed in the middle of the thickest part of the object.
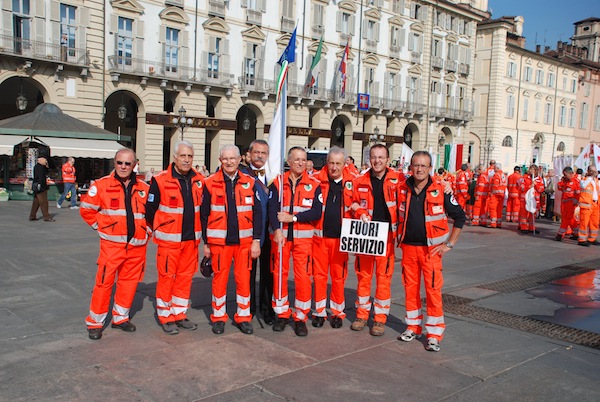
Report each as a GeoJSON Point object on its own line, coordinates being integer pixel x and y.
{"type": "Point", "coordinates": [558, 238]}
{"type": "Point", "coordinates": [336, 322]}
{"type": "Point", "coordinates": [317, 322]}
{"type": "Point", "coordinates": [218, 328]}
{"type": "Point", "coordinates": [170, 328]}
{"type": "Point", "coordinates": [186, 324]}
{"type": "Point", "coordinates": [574, 237]}
{"type": "Point", "coordinates": [245, 327]}
{"type": "Point", "coordinates": [124, 326]}
{"type": "Point", "coordinates": [594, 243]}
{"type": "Point", "coordinates": [269, 320]}
{"type": "Point", "coordinates": [524, 231]}
{"type": "Point", "coordinates": [583, 243]}
{"type": "Point", "coordinates": [300, 328]}
{"type": "Point", "coordinates": [95, 333]}
{"type": "Point", "coordinates": [279, 324]}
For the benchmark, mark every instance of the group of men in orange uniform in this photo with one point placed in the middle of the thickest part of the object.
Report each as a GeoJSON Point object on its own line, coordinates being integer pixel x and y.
{"type": "Point", "coordinates": [232, 209]}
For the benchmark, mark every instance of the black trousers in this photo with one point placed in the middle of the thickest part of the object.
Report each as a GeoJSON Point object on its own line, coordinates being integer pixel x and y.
{"type": "Point", "coordinates": [265, 287]}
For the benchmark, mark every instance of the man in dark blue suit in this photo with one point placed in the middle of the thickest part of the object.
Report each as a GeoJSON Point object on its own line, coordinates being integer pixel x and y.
{"type": "Point", "coordinates": [259, 153]}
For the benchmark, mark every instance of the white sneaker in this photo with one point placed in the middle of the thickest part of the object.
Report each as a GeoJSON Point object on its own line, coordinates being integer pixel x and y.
{"type": "Point", "coordinates": [408, 336]}
{"type": "Point", "coordinates": [58, 205]}
{"type": "Point", "coordinates": [75, 207]}
{"type": "Point", "coordinates": [433, 345]}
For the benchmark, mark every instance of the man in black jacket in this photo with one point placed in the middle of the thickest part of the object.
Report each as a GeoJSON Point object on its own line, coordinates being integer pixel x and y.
{"type": "Point", "coordinates": [40, 190]}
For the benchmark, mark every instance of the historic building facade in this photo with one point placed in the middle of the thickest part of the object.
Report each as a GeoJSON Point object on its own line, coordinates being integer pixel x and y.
{"type": "Point", "coordinates": [130, 66]}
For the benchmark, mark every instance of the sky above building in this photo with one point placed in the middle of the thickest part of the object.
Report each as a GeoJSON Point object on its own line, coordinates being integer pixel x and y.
{"type": "Point", "coordinates": [546, 21]}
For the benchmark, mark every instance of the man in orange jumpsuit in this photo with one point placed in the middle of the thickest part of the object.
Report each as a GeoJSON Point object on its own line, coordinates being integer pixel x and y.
{"type": "Point", "coordinates": [527, 181]}
{"type": "Point", "coordinates": [570, 187]}
{"type": "Point", "coordinates": [174, 214]}
{"type": "Point", "coordinates": [115, 206]}
{"type": "Point", "coordinates": [374, 197]}
{"type": "Point", "coordinates": [297, 211]}
{"type": "Point", "coordinates": [462, 186]}
{"type": "Point", "coordinates": [512, 205]}
{"type": "Point", "coordinates": [230, 206]}
{"type": "Point", "coordinates": [481, 194]}
{"type": "Point", "coordinates": [588, 208]}
{"type": "Point", "coordinates": [496, 197]}
{"type": "Point", "coordinates": [424, 237]}
{"type": "Point", "coordinates": [68, 178]}
{"type": "Point", "coordinates": [336, 190]}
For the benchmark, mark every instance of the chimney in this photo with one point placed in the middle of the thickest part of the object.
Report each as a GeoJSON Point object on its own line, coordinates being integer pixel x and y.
{"type": "Point", "coordinates": [546, 48]}
{"type": "Point", "coordinates": [537, 48]}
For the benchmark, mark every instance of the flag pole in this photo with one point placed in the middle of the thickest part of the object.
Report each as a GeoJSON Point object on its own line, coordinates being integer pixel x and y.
{"type": "Point", "coordinates": [282, 170]}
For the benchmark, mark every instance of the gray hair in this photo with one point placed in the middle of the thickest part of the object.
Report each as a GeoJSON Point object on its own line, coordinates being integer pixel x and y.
{"type": "Point", "coordinates": [258, 142]}
{"type": "Point", "coordinates": [184, 143]}
{"type": "Point", "coordinates": [498, 166]}
{"type": "Point", "coordinates": [129, 150]}
{"type": "Point", "coordinates": [229, 147]}
{"type": "Point", "coordinates": [337, 150]}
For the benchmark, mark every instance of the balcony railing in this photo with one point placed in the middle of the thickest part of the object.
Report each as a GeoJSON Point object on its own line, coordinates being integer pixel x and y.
{"type": "Point", "coordinates": [437, 62]}
{"type": "Point", "coordinates": [129, 65]}
{"type": "Point", "coordinates": [395, 51]}
{"type": "Point", "coordinates": [371, 45]}
{"type": "Point", "coordinates": [287, 24]}
{"type": "Point", "coordinates": [42, 50]}
{"type": "Point", "coordinates": [216, 8]}
{"type": "Point", "coordinates": [463, 69]}
{"type": "Point", "coordinates": [451, 65]}
{"type": "Point", "coordinates": [253, 17]}
{"type": "Point", "coordinates": [415, 57]}
{"type": "Point", "coordinates": [317, 31]}
{"type": "Point", "coordinates": [216, 78]}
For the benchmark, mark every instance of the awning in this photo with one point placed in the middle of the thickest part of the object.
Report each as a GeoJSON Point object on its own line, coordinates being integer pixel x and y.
{"type": "Point", "coordinates": [8, 142]}
{"type": "Point", "coordinates": [80, 148]}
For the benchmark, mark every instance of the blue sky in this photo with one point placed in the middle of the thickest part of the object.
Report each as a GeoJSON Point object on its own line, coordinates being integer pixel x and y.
{"type": "Point", "coordinates": [552, 20]}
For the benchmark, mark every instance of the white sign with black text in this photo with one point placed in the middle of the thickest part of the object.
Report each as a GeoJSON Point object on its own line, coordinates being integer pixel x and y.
{"type": "Point", "coordinates": [360, 237]}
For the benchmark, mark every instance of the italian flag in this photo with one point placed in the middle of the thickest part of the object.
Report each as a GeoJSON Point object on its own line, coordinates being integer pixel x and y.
{"type": "Point", "coordinates": [312, 76]}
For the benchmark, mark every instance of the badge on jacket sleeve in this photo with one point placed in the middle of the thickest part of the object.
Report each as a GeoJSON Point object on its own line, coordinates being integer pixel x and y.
{"type": "Point", "coordinates": [93, 191]}
{"type": "Point", "coordinates": [150, 197]}
{"type": "Point", "coordinates": [320, 197]}
{"type": "Point", "coordinates": [453, 201]}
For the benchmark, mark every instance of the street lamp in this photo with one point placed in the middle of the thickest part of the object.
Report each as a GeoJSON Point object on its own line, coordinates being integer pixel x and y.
{"type": "Point", "coordinates": [21, 100]}
{"type": "Point", "coordinates": [121, 114]}
{"type": "Point", "coordinates": [182, 122]}
{"type": "Point", "coordinates": [376, 137]}
{"type": "Point", "coordinates": [489, 147]}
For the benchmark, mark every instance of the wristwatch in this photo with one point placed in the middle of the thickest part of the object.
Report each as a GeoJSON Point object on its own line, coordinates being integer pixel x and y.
{"type": "Point", "coordinates": [294, 219]}
{"type": "Point", "coordinates": [449, 245]}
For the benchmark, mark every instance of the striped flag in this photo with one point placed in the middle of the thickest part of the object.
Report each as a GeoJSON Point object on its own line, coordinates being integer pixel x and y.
{"type": "Point", "coordinates": [312, 76]}
{"type": "Point", "coordinates": [454, 160]}
{"type": "Point", "coordinates": [343, 68]}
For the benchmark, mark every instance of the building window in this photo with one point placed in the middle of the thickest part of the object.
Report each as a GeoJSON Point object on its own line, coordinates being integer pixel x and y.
{"type": "Point", "coordinates": [597, 118]}
{"type": "Point", "coordinates": [125, 42]}
{"type": "Point", "coordinates": [345, 23]}
{"type": "Point", "coordinates": [562, 114]}
{"type": "Point", "coordinates": [573, 85]}
{"type": "Point", "coordinates": [539, 77]}
{"type": "Point", "coordinates": [547, 113]}
{"type": "Point", "coordinates": [250, 64]}
{"type": "Point", "coordinates": [525, 108]}
{"type": "Point", "coordinates": [396, 38]}
{"type": "Point", "coordinates": [415, 42]}
{"type": "Point", "coordinates": [511, 70]}
{"type": "Point", "coordinates": [536, 115]}
{"type": "Point", "coordinates": [171, 49]}
{"type": "Point", "coordinates": [564, 84]}
{"type": "Point", "coordinates": [21, 25]}
{"type": "Point", "coordinates": [68, 30]}
{"type": "Point", "coordinates": [510, 106]}
{"type": "Point", "coordinates": [572, 117]}
{"type": "Point", "coordinates": [413, 90]}
{"type": "Point", "coordinates": [584, 116]}
{"type": "Point", "coordinates": [587, 87]}
{"type": "Point", "coordinates": [416, 11]}
{"type": "Point", "coordinates": [527, 74]}
{"type": "Point", "coordinates": [551, 80]}
{"type": "Point", "coordinates": [507, 141]}
{"type": "Point", "coordinates": [213, 57]}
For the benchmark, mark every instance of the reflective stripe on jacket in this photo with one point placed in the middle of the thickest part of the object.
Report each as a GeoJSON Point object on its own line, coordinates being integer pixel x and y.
{"type": "Point", "coordinates": [103, 208]}
{"type": "Point", "coordinates": [68, 173]}
{"type": "Point", "coordinates": [511, 184]}
{"type": "Point", "coordinates": [498, 184]}
{"type": "Point", "coordinates": [303, 199]}
{"type": "Point", "coordinates": [587, 193]}
{"type": "Point", "coordinates": [482, 186]}
{"type": "Point", "coordinates": [362, 193]}
{"type": "Point", "coordinates": [216, 230]}
{"type": "Point", "coordinates": [436, 220]}
{"type": "Point", "coordinates": [571, 190]}
{"type": "Point", "coordinates": [168, 220]}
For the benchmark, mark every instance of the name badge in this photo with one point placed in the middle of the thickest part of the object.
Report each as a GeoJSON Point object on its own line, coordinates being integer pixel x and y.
{"type": "Point", "coordinates": [307, 202]}
{"type": "Point", "coordinates": [437, 209]}
{"type": "Point", "coordinates": [248, 199]}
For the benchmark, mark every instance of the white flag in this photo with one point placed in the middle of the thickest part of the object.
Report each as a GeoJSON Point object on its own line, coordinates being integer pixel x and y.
{"type": "Point", "coordinates": [277, 131]}
{"type": "Point", "coordinates": [583, 160]}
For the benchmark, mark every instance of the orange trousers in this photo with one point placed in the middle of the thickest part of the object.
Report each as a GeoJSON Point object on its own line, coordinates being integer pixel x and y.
{"type": "Point", "coordinates": [222, 257]}
{"type": "Point", "coordinates": [416, 262]}
{"type": "Point", "coordinates": [526, 218]}
{"type": "Point", "coordinates": [479, 211]}
{"type": "Point", "coordinates": [512, 209]}
{"type": "Point", "coordinates": [494, 206]}
{"type": "Point", "coordinates": [383, 267]}
{"type": "Point", "coordinates": [326, 255]}
{"type": "Point", "coordinates": [300, 251]}
{"type": "Point", "coordinates": [176, 267]}
{"type": "Point", "coordinates": [125, 263]}
{"type": "Point", "coordinates": [588, 223]}
{"type": "Point", "coordinates": [567, 211]}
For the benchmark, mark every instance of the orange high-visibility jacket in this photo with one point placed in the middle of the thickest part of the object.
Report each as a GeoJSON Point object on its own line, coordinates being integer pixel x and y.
{"type": "Point", "coordinates": [436, 220]}
{"type": "Point", "coordinates": [362, 193]}
{"type": "Point", "coordinates": [323, 177]}
{"type": "Point", "coordinates": [68, 173]}
{"type": "Point", "coordinates": [482, 185]}
{"type": "Point", "coordinates": [168, 220]}
{"type": "Point", "coordinates": [103, 208]}
{"type": "Point", "coordinates": [525, 183]}
{"type": "Point", "coordinates": [498, 184]}
{"type": "Point", "coordinates": [571, 189]}
{"type": "Point", "coordinates": [587, 192]}
{"type": "Point", "coordinates": [216, 230]}
{"type": "Point", "coordinates": [303, 199]}
{"type": "Point", "coordinates": [462, 183]}
{"type": "Point", "coordinates": [513, 189]}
